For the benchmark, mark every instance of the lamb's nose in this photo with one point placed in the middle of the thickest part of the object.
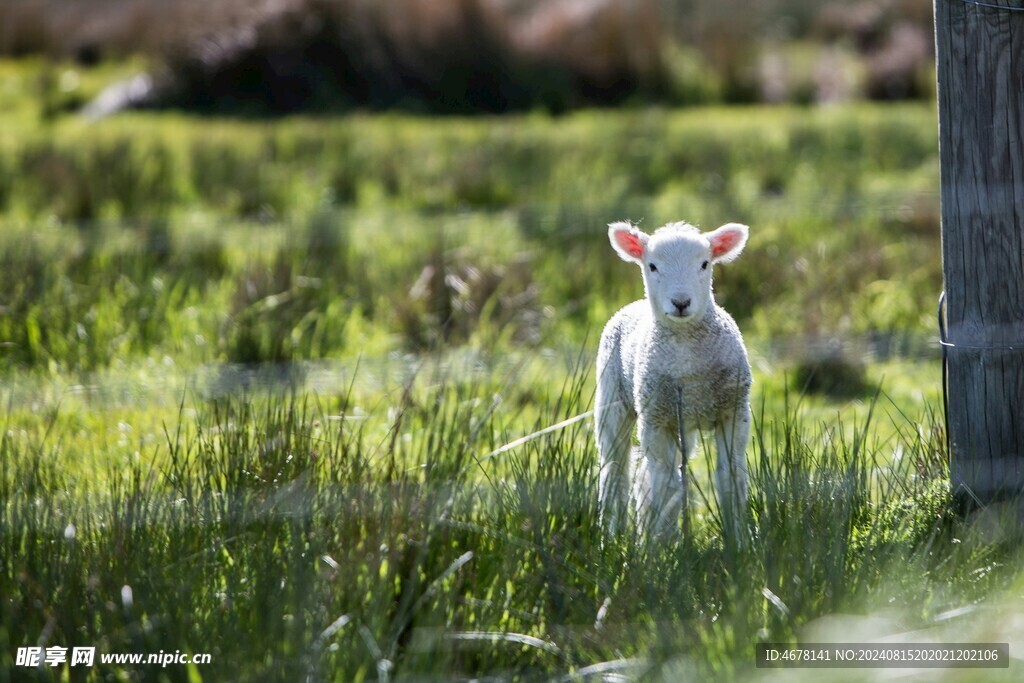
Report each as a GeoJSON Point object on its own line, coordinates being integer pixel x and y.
{"type": "Point", "coordinates": [681, 306]}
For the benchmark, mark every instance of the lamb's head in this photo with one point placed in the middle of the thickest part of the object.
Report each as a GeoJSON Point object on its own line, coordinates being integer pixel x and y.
{"type": "Point", "coordinates": [676, 261]}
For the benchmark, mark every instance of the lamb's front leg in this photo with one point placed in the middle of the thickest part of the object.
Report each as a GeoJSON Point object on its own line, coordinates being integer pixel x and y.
{"type": "Point", "coordinates": [614, 435]}
{"type": "Point", "coordinates": [732, 432]}
{"type": "Point", "coordinates": [659, 492]}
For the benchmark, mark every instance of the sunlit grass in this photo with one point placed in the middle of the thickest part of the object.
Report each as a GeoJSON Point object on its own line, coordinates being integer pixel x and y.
{"type": "Point", "coordinates": [256, 521]}
{"type": "Point", "coordinates": [246, 240]}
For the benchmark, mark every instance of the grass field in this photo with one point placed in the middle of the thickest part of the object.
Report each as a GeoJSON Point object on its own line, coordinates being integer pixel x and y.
{"type": "Point", "coordinates": [259, 377]}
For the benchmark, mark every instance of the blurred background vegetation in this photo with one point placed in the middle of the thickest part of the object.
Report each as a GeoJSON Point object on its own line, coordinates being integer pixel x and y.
{"type": "Point", "coordinates": [470, 56]}
{"type": "Point", "coordinates": [309, 238]}
{"type": "Point", "coordinates": [229, 232]}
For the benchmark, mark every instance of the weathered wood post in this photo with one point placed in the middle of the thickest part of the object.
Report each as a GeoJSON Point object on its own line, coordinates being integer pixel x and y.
{"type": "Point", "coordinates": [980, 65]}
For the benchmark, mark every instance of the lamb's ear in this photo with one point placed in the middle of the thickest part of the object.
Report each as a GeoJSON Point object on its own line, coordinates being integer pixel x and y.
{"type": "Point", "coordinates": [629, 242]}
{"type": "Point", "coordinates": [727, 242]}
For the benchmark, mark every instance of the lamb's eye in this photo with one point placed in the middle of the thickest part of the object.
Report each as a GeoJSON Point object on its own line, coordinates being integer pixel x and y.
{"type": "Point", "coordinates": [654, 268]}
{"type": "Point", "coordinates": [704, 266]}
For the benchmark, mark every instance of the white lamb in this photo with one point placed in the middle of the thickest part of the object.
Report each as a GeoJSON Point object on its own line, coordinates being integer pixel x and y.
{"type": "Point", "coordinates": [677, 343]}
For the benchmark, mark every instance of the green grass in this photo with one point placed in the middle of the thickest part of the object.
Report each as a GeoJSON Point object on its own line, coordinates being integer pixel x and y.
{"type": "Point", "coordinates": [288, 535]}
{"type": "Point", "coordinates": [261, 372]}
{"type": "Point", "coordinates": [306, 238]}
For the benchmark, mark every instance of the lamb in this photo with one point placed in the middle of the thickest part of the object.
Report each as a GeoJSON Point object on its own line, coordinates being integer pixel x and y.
{"type": "Point", "coordinates": [673, 360]}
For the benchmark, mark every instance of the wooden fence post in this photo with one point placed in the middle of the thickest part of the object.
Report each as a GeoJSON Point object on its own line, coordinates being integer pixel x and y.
{"type": "Point", "coordinates": [980, 65]}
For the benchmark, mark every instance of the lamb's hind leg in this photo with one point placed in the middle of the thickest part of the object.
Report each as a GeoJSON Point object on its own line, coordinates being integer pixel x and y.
{"type": "Point", "coordinates": [615, 423]}
{"type": "Point", "coordinates": [731, 436]}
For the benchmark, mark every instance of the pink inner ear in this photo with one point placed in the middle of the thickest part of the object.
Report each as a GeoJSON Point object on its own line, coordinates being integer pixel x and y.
{"type": "Point", "coordinates": [630, 243]}
{"type": "Point", "coordinates": [725, 242]}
